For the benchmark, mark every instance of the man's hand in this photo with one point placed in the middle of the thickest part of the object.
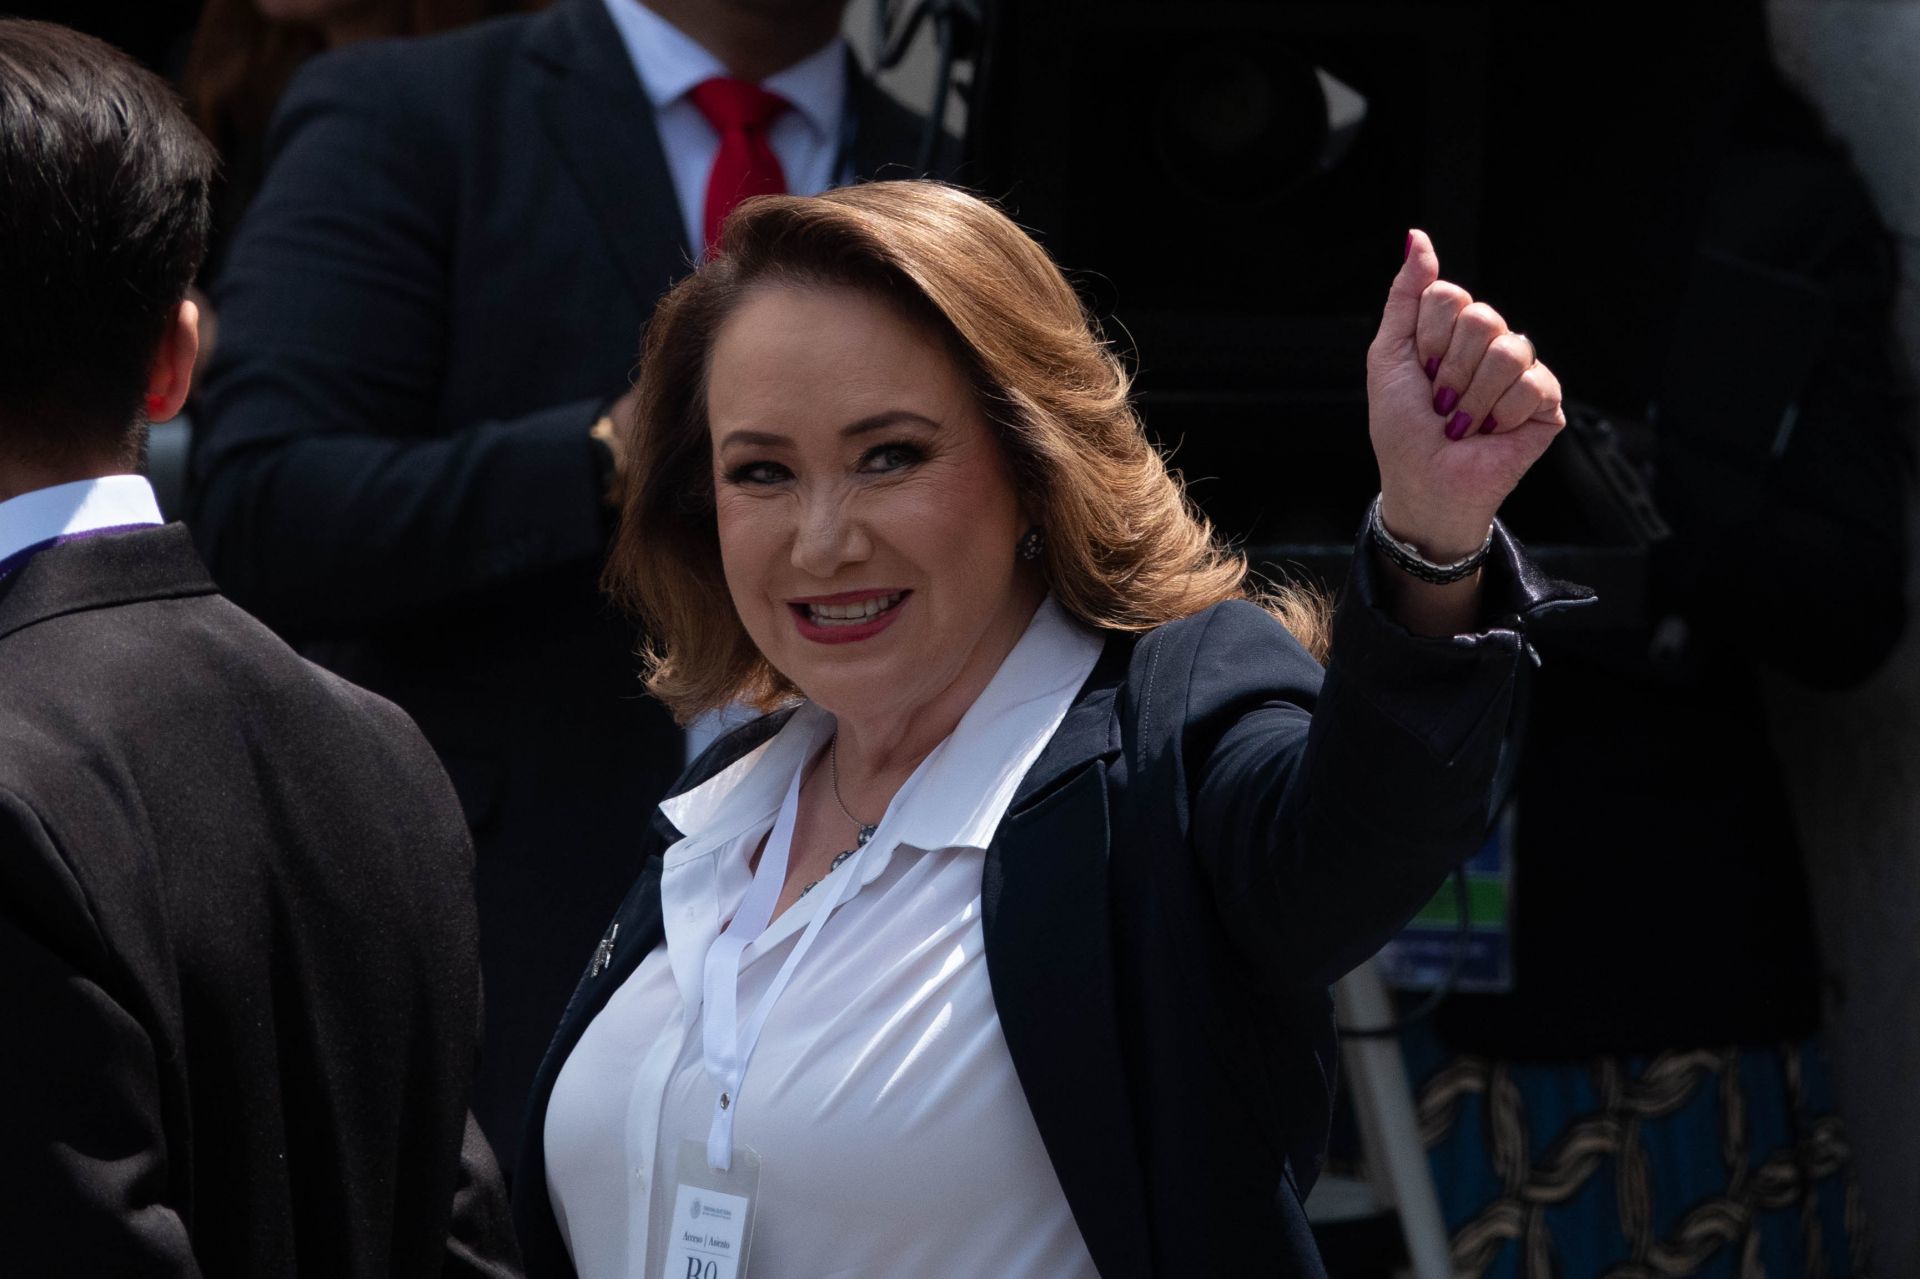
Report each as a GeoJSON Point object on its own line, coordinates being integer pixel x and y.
{"type": "Point", "coordinates": [614, 430]}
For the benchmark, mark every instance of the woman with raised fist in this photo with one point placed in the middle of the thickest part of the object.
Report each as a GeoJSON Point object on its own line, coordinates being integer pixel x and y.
{"type": "Point", "coordinates": [1000, 946]}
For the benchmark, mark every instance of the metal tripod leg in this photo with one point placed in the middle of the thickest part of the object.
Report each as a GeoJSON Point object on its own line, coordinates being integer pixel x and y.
{"type": "Point", "coordinates": [1389, 1129]}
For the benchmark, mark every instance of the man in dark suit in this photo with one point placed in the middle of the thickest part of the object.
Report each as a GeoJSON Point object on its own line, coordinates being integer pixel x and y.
{"type": "Point", "coordinates": [405, 459]}
{"type": "Point", "coordinates": [241, 995]}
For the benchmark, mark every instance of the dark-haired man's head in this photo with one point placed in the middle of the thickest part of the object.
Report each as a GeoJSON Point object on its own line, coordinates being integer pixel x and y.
{"type": "Point", "coordinates": [103, 222]}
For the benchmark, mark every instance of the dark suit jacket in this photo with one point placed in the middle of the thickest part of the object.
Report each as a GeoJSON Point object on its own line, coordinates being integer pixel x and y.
{"type": "Point", "coordinates": [241, 979]}
{"type": "Point", "coordinates": [1214, 834]}
{"type": "Point", "coordinates": [442, 281]}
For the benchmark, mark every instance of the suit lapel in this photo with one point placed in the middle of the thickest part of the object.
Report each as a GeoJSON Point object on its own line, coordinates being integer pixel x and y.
{"type": "Point", "coordinates": [1088, 732]}
{"type": "Point", "coordinates": [637, 926]}
{"type": "Point", "coordinates": [1044, 904]}
{"type": "Point", "coordinates": [636, 929]}
{"type": "Point", "coordinates": [601, 122]}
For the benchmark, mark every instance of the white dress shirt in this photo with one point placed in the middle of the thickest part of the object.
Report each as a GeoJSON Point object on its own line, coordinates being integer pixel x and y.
{"type": "Point", "coordinates": [806, 139]}
{"type": "Point", "coordinates": [113, 501]}
{"type": "Point", "coordinates": [882, 1100]}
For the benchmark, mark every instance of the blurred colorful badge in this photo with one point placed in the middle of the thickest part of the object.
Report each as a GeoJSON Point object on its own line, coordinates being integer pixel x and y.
{"type": "Point", "coordinates": [1432, 951]}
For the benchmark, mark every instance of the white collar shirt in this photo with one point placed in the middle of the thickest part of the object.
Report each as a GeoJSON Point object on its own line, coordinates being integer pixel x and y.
{"type": "Point", "coordinates": [881, 1098]}
{"type": "Point", "coordinates": [84, 506]}
{"type": "Point", "coordinates": [807, 139]}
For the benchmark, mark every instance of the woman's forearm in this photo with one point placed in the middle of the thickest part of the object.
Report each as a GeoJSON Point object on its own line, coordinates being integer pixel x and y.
{"type": "Point", "coordinates": [1424, 608]}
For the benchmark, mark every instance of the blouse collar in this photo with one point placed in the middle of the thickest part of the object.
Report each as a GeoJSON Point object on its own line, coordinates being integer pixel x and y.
{"type": "Point", "coordinates": [967, 784]}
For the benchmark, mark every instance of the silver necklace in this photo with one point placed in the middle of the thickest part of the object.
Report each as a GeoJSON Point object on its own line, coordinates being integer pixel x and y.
{"type": "Point", "coordinates": [866, 829]}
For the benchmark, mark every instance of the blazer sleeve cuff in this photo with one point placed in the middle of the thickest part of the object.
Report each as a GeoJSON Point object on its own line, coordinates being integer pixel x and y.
{"type": "Point", "coordinates": [1443, 691]}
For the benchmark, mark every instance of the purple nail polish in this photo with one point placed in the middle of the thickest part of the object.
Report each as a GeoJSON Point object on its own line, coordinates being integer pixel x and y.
{"type": "Point", "coordinates": [1457, 425]}
{"type": "Point", "coordinates": [1489, 426]}
{"type": "Point", "coordinates": [1432, 366]}
{"type": "Point", "coordinates": [1444, 399]}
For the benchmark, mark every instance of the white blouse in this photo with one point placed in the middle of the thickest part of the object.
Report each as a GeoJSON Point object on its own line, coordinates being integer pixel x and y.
{"type": "Point", "coordinates": [893, 1133]}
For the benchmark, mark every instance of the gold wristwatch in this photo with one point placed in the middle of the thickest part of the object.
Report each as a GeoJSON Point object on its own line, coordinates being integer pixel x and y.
{"type": "Point", "coordinates": [602, 435]}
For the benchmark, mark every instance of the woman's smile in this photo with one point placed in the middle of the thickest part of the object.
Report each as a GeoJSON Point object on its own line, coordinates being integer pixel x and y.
{"type": "Point", "coordinates": [848, 616]}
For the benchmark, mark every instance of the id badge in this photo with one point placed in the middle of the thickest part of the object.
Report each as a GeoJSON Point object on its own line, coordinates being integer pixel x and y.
{"type": "Point", "coordinates": [703, 1229]}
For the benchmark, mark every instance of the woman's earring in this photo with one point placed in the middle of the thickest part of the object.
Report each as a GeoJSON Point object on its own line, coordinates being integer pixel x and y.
{"type": "Point", "coordinates": [1032, 544]}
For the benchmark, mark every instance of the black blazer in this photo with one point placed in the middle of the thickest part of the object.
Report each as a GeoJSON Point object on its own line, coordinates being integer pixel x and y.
{"type": "Point", "coordinates": [1215, 833]}
{"type": "Point", "coordinates": [441, 283]}
{"type": "Point", "coordinates": [241, 979]}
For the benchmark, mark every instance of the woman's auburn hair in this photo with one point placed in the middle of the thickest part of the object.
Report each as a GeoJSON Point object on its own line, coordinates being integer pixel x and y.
{"type": "Point", "coordinates": [1125, 549]}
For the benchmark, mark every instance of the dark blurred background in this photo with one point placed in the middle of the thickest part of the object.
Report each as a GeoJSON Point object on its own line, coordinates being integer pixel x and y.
{"type": "Point", "coordinates": [1698, 214]}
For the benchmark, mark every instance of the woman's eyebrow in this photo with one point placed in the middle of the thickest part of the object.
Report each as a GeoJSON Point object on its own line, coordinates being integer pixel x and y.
{"type": "Point", "coordinates": [889, 417]}
{"type": "Point", "coordinates": [873, 422]}
{"type": "Point", "coordinates": [760, 439]}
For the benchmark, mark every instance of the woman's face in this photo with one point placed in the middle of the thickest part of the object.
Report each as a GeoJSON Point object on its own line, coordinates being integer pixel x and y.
{"type": "Point", "coordinates": [867, 521]}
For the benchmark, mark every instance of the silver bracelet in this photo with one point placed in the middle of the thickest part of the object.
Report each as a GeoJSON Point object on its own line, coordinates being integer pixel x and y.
{"type": "Point", "coordinates": [1409, 560]}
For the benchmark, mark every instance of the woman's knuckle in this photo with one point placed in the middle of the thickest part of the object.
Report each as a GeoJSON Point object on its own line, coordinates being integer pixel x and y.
{"type": "Point", "coordinates": [1509, 355]}
{"type": "Point", "coordinates": [1483, 319]}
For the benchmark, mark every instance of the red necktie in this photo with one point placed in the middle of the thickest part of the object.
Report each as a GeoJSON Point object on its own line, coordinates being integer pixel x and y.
{"type": "Point", "coordinates": [745, 165]}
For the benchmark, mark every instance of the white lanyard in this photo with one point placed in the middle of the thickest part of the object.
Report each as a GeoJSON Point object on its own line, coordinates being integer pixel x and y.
{"type": "Point", "coordinates": [726, 1045]}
